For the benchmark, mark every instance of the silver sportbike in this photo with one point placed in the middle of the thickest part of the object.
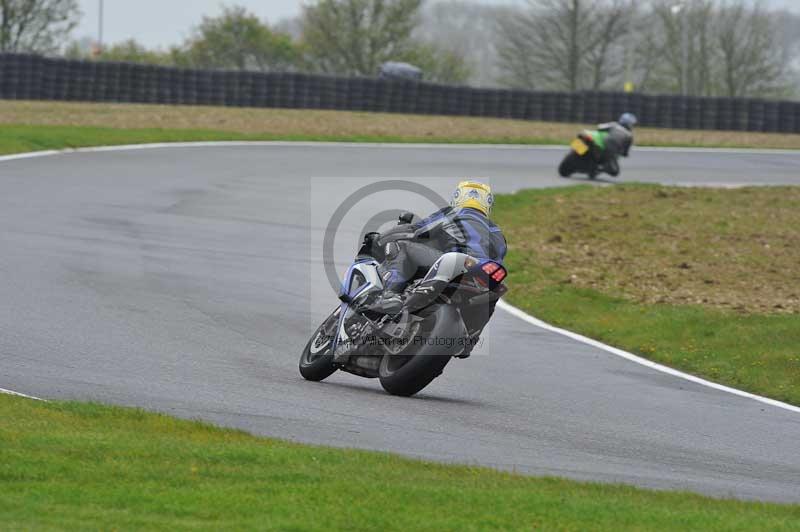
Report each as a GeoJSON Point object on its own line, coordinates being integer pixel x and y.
{"type": "Point", "coordinates": [407, 350]}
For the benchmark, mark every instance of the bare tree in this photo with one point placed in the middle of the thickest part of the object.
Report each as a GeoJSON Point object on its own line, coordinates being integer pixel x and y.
{"type": "Point", "coordinates": [752, 62]}
{"type": "Point", "coordinates": [516, 38]}
{"type": "Point", "coordinates": [40, 26]}
{"type": "Point", "coordinates": [711, 48]}
{"type": "Point", "coordinates": [789, 24]}
{"type": "Point", "coordinates": [563, 44]}
{"type": "Point", "coordinates": [466, 28]}
{"type": "Point", "coordinates": [353, 37]}
{"type": "Point", "coordinates": [602, 55]}
{"type": "Point", "coordinates": [688, 30]}
{"type": "Point", "coordinates": [644, 49]}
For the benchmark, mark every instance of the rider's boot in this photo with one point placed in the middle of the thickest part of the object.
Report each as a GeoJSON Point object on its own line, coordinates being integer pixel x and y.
{"type": "Point", "coordinates": [595, 169]}
{"type": "Point", "coordinates": [611, 167]}
{"type": "Point", "coordinates": [390, 302]}
{"type": "Point", "coordinates": [474, 340]}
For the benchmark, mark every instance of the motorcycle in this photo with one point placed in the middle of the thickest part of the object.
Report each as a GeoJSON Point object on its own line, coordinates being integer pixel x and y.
{"type": "Point", "coordinates": [407, 351]}
{"type": "Point", "coordinates": [586, 155]}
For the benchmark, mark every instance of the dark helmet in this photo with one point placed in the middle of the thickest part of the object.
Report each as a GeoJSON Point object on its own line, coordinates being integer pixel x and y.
{"type": "Point", "coordinates": [627, 120]}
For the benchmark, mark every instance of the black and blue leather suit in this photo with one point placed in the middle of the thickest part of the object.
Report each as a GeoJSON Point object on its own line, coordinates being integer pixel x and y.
{"type": "Point", "coordinates": [448, 230]}
{"type": "Point", "coordinates": [465, 231]}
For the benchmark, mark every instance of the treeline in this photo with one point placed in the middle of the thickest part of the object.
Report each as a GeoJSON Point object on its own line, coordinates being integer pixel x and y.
{"type": "Point", "coordinates": [693, 47]}
{"type": "Point", "coordinates": [343, 37]}
{"type": "Point", "coordinates": [733, 48]}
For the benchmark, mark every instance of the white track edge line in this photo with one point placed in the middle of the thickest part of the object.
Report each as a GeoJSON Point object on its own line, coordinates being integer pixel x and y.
{"type": "Point", "coordinates": [502, 304]}
{"type": "Point", "coordinates": [514, 311]}
{"type": "Point", "coordinates": [375, 145]}
{"type": "Point", "coordinates": [30, 155]}
{"type": "Point", "coordinates": [17, 394]}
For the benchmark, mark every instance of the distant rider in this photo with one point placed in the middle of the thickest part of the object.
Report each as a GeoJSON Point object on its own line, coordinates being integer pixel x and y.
{"type": "Point", "coordinates": [618, 142]}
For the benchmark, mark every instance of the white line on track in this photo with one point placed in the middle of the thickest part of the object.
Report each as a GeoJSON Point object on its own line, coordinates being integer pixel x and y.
{"type": "Point", "coordinates": [211, 144]}
{"type": "Point", "coordinates": [17, 394]}
{"type": "Point", "coordinates": [514, 311]}
{"type": "Point", "coordinates": [30, 155]}
{"type": "Point", "coordinates": [502, 304]}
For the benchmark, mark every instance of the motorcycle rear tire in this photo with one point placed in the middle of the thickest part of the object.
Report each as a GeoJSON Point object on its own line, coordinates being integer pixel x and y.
{"type": "Point", "coordinates": [412, 376]}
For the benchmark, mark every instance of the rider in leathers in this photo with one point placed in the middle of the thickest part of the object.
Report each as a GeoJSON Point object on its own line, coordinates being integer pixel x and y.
{"type": "Point", "coordinates": [618, 142]}
{"type": "Point", "coordinates": [462, 227]}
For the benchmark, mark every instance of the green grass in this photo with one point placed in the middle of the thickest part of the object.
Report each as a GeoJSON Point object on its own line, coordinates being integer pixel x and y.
{"type": "Point", "coordinates": [84, 466]}
{"type": "Point", "coordinates": [20, 138]}
{"type": "Point", "coordinates": [24, 138]}
{"type": "Point", "coordinates": [209, 122]}
{"type": "Point", "coordinates": [700, 280]}
{"type": "Point", "coordinates": [756, 353]}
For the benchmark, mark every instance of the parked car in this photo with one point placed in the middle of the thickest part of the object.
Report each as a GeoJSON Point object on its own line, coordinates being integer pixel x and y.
{"type": "Point", "coordinates": [396, 70]}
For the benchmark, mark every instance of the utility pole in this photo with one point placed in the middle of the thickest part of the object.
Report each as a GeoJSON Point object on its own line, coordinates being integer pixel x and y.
{"type": "Point", "coordinates": [100, 27]}
{"type": "Point", "coordinates": [683, 10]}
{"type": "Point", "coordinates": [685, 46]}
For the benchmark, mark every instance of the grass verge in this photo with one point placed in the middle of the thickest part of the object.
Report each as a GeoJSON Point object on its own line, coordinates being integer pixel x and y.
{"type": "Point", "coordinates": [24, 138]}
{"type": "Point", "coordinates": [67, 124]}
{"type": "Point", "coordinates": [698, 279]}
{"type": "Point", "coordinates": [84, 466]}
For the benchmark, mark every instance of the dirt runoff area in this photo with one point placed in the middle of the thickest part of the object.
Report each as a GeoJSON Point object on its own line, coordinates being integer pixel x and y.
{"type": "Point", "coordinates": [354, 124]}
{"type": "Point", "coordinates": [731, 249]}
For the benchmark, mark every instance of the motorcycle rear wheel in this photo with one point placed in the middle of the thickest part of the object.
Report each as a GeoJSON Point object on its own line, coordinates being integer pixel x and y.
{"type": "Point", "coordinates": [405, 373]}
{"type": "Point", "coordinates": [412, 376]}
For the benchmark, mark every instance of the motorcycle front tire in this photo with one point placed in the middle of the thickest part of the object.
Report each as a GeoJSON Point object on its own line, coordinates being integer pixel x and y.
{"type": "Point", "coordinates": [569, 165]}
{"type": "Point", "coordinates": [319, 367]}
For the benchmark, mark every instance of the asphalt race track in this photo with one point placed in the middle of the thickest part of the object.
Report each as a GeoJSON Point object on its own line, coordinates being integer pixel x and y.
{"type": "Point", "coordinates": [178, 279]}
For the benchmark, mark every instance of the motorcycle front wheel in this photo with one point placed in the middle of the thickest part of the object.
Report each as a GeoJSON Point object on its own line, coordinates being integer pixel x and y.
{"type": "Point", "coordinates": [569, 165]}
{"type": "Point", "coordinates": [316, 362]}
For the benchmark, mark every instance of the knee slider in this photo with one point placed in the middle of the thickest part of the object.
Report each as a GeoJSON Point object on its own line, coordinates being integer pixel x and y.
{"type": "Point", "coordinates": [391, 250]}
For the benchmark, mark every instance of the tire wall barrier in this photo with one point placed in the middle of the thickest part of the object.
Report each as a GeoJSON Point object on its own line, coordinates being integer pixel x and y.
{"type": "Point", "coordinates": [33, 77]}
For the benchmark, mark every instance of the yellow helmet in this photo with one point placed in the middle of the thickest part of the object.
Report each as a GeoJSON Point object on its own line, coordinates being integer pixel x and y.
{"type": "Point", "coordinates": [473, 195]}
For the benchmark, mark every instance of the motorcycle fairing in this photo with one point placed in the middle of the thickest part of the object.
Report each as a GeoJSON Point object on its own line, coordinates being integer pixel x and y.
{"type": "Point", "coordinates": [448, 324]}
{"type": "Point", "coordinates": [361, 279]}
{"type": "Point", "coordinates": [444, 271]}
{"type": "Point", "coordinates": [489, 273]}
{"type": "Point", "coordinates": [449, 266]}
{"type": "Point", "coordinates": [597, 137]}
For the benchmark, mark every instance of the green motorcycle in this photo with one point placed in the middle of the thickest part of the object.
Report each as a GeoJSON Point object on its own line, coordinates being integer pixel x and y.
{"type": "Point", "coordinates": [587, 154]}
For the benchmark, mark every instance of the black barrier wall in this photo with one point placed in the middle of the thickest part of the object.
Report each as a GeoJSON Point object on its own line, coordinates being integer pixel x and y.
{"type": "Point", "coordinates": [31, 77]}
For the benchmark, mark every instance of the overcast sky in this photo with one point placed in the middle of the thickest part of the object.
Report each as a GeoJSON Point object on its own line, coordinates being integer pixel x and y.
{"type": "Point", "coordinates": [165, 22]}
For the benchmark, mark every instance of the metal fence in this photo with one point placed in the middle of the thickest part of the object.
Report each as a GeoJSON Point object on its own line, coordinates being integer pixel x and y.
{"type": "Point", "coordinates": [32, 77]}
